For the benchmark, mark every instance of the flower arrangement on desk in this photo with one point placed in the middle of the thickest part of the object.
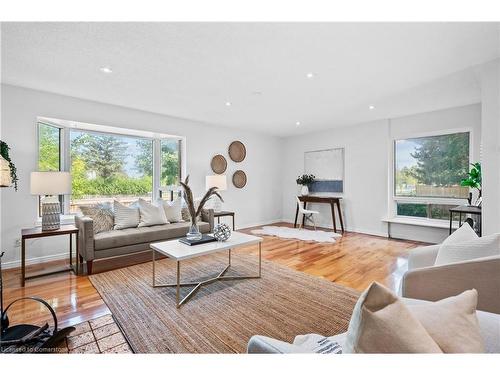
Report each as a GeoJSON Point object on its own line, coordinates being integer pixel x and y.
{"type": "Point", "coordinates": [473, 181]}
{"type": "Point", "coordinates": [305, 180]}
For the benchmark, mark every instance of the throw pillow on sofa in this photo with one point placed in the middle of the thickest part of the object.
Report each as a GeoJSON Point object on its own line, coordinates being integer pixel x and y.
{"type": "Point", "coordinates": [463, 245]}
{"type": "Point", "coordinates": [151, 214]}
{"type": "Point", "coordinates": [382, 323]}
{"type": "Point", "coordinates": [102, 216]}
{"type": "Point", "coordinates": [452, 322]}
{"type": "Point", "coordinates": [173, 209]}
{"type": "Point", "coordinates": [125, 216]}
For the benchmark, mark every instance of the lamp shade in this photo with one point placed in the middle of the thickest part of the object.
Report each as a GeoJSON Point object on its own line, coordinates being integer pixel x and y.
{"type": "Point", "coordinates": [50, 183]}
{"type": "Point", "coordinates": [219, 181]}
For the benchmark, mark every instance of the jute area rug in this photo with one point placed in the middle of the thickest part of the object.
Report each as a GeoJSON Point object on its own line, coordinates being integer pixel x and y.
{"type": "Point", "coordinates": [222, 316]}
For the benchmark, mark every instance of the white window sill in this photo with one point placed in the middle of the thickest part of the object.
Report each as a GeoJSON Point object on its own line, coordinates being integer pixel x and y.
{"type": "Point", "coordinates": [65, 219]}
{"type": "Point", "coordinates": [432, 223]}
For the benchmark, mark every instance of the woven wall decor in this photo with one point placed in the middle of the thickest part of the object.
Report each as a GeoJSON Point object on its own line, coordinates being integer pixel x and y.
{"type": "Point", "coordinates": [239, 179]}
{"type": "Point", "coordinates": [218, 164]}
{"type": "Point", "coordinates": [237, 151]}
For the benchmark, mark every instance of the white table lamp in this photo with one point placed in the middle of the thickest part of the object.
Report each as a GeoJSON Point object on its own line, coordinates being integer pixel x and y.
{"type": "Point", "coordinates": [50, 185]}
{"type": "Point", "coordinates": [220, 182]}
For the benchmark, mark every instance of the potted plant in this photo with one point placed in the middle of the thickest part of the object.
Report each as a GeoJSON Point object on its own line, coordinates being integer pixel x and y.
{"type": "Point", "coordinates": [473, 181]}
{"type": "Point", "coordinates": [194, 232]}
{"type": "Point", "coordinates": [305, 180]}
{"type": "Point", "coordinates": [8, 171]}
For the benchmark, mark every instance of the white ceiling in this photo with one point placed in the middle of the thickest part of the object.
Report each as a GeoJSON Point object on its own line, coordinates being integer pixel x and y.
{"type": "Point", "coordinates": [190, 70]}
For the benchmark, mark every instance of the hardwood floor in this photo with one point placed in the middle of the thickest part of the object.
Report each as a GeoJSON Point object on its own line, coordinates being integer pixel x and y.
{"type": "Point", "coordinates": [355, 260]}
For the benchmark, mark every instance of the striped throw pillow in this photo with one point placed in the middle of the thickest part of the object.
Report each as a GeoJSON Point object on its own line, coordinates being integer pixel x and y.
{"type": "Point", "coordinates": [126, 216]}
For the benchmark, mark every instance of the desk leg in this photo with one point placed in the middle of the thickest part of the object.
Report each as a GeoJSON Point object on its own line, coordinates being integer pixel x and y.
{"type": "Point", "coordinates": [340, 217]}
{"type": "Point", "coordinates": [296, 216]}
{"type": "Point", "coordinates": [451, 221]}
{"type": "Point", "coordinates": [233, 223]}
{"type": "Point", "coordinates": [332, 206]}
{"type": "Point", "coordinates": [304, 216]}
{"type": "Point", "coordinates": [23, 262]}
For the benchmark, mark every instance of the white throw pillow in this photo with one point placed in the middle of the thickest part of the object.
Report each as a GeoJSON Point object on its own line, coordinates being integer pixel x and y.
{"type": "Point", "coordinates": [125, 216]}
{"type": "Point", "coordinates": [462, 245]}
{"type": "Point", "coordinates": [151, 214]}
{"type": "Point", "coordinates": [173, 209]}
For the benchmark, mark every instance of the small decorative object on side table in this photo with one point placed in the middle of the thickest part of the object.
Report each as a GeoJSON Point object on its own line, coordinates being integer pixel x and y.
{"type": "Point", "coordinates": [37, 232]}
{"type": "Point", "coordinates": [50, 185]}
{"type": "Point", "coordinates": [222, 232]}
{"type": "Point", "coordinates": [220, 214]}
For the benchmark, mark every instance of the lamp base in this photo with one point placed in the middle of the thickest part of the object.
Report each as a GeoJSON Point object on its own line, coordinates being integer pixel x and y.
{"type": "Point", "coordinates": [217, 204]}
{"type": "Point", "coordinates": [51, 214]}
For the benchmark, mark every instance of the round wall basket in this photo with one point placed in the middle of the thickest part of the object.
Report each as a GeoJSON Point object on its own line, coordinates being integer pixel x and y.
{"type": "Point", "coordinates": [237, 151]}
{"type": "Point", "coordinates": [239, 179]}
{"type": "Point", "coordinates": [218, 164]}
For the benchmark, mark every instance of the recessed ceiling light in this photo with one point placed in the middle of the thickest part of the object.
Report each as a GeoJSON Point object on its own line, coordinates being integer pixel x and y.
{"type": "Point", "coordinates": [106, 69]}
{"type": "Point", "coordinates": [256, 92]}
{"type": "Point", "coordinates": [370, 107]}
{"type": "Point", "coordinates": [297, 123]}
{"type": "Point", "coordinates": [310, 75]}
{"type": "Point", "coordinates": [228, 104]}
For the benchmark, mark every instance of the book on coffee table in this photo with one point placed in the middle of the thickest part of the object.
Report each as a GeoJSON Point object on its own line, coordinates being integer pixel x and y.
{"type": "Point", "coordinates": [204, 239]}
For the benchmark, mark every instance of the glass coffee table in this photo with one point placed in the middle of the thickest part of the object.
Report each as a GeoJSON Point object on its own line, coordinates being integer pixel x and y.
{"type": "Point", "coordinates": [179, 252]}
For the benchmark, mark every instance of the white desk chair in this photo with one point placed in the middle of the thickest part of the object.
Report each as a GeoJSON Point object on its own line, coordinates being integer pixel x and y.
{"type": "Point", "coordinates": [308, 214]}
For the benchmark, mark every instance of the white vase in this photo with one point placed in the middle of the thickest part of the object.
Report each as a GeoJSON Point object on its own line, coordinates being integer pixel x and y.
{"type": "Point", "coordinates": [304, 190]}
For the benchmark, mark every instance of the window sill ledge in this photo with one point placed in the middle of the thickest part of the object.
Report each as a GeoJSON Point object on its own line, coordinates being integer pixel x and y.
{"type": "Point", "coordinates": [431, 223]}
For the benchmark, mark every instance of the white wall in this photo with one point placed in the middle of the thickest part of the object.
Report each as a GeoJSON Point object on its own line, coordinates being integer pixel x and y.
{"type": "Point", "coordinates": [490, 99]}
{"type": "Point", "coordinates": [366, 199]}
{"type": "Point", "coordinates": [259, 202]}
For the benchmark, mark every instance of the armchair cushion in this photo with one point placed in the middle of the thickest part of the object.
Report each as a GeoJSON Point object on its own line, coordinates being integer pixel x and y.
{"type": "Point", "coordinates": [454, 250]}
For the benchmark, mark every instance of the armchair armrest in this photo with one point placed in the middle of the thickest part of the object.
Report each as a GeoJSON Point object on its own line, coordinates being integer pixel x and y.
{"type": "Point", "coordinates": [423, 257]}
{"type": "Point", "coordinates": [438, 282]}
{"type": "Point", "coordinates": [85, 227]}
{"type": "Point", "coordinates": [207, 215]}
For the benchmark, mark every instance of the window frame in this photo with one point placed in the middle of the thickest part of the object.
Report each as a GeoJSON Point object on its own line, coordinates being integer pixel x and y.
{"type": "Point", "coordinates": [395, 199]}
{"type": "Point", "coordinates": [65, 128]}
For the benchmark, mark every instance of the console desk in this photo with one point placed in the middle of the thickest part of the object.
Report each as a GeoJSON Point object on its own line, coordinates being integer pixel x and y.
{"type": "Point", "coordinates": [332, 201]}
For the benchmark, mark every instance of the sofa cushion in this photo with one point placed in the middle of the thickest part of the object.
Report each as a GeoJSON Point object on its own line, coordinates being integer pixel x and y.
{"type": "Point", "coordinates": [381, 323]}
{"type": "Point", "coordinates": [131, 236]}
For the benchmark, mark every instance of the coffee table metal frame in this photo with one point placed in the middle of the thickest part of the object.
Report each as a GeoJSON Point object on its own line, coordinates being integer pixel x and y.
{"type": "Point", "coordinates": [198, 284]}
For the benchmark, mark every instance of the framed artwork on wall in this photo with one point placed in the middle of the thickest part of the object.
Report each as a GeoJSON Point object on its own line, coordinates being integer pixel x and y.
{"type": "Point", "coordinates": [328, 168]}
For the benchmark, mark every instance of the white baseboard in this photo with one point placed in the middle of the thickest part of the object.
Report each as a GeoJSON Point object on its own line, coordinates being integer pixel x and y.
{"type": "Point", "coordinates": [42, 259]}
{"type": "Point", "coordinates": [259, 224]}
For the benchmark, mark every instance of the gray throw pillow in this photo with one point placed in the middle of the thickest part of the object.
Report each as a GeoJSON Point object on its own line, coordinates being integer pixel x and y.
{"type": "Point", "coordinates": [102, 216]}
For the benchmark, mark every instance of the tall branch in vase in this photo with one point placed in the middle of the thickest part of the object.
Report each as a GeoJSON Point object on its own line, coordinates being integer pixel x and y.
{"type": "Point", "coordinates": [194, 212]}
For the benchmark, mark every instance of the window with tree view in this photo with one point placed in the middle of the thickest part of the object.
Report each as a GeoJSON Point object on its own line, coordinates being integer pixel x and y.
{"type": "Point", "coordinates": [105, 167]}
{"type": "Point", "coordinates": [108, 166]}
{"type": "Point", "coordinates": [430, 168]}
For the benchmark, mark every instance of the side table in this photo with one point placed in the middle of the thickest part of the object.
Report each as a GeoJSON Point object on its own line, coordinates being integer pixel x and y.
{"type": "Point", "coordinates": [36, 232]}
{"type": "Point", "coordinates": [465, 210]}
{"type": "Point", "coordinates": [220, 214]}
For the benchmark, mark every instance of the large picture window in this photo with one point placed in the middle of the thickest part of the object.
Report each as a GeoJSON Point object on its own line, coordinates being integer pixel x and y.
{"type": "Point", "coordinates": [107, 166]}
{"type": "Point", "coordinates": [427, 174]}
